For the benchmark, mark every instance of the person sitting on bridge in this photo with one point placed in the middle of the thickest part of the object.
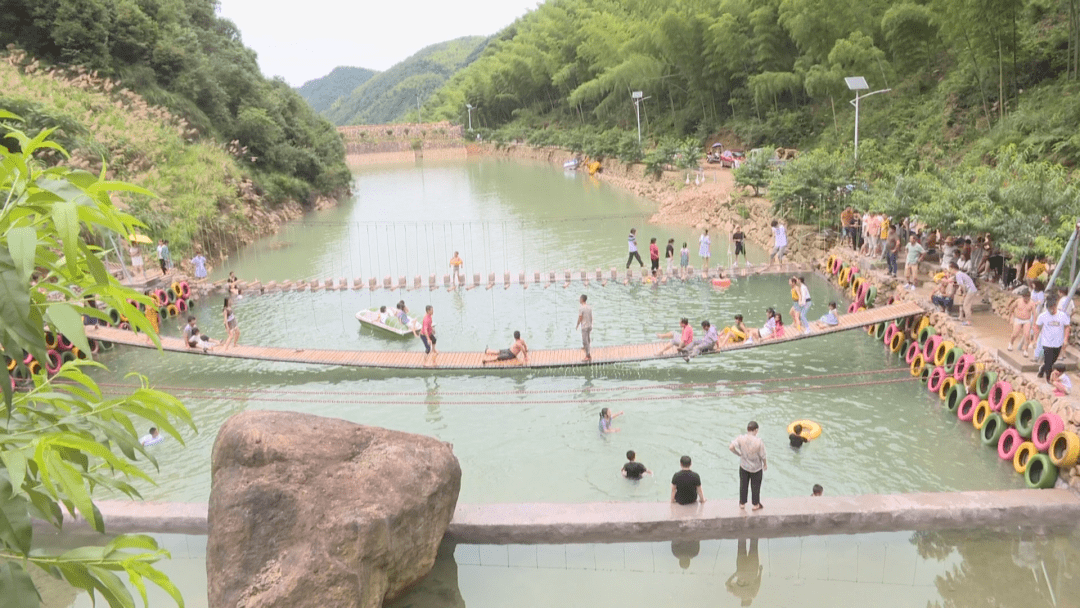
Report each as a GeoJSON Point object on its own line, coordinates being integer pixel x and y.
{"type": "Point", "coordinates": [703, 344]}
{"type": "Point", "coordinates": [683, 342]}
{"type": "Point", "coordinates": [517, 349]}
{"type": "Point", "coordinates": [768, 329]}
{"type": "Point", "coordinates": [829, 320]}
{"type": "Point", "coordinates": [193, 338]}
{"type": "Point", "coordinates": [733, 334]}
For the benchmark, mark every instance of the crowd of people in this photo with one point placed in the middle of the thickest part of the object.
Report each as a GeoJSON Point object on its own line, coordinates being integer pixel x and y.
{"type": "Point", "coordinates": [737, 247]}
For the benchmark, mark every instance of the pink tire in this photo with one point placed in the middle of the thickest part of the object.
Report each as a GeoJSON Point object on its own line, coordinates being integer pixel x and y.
{"type": "Point", "coordinates": [998, 392]}
{"type": "Point", "coordinates": [851, 308]}
{"type": "Point", "coordinates": [936, 378]}
{"type": "Point", "coordinates": [966, 410]}
{"type": "Point", "coordinates": [1008, 443]}
{"type": "Point", "coordinates": [52, 361]}
{"type": "Point", "coordinates": [931, 345]}
{"type": "Point", "coordinates": [962, 366]}
{"type": "Point", "coordinates": [912, 350]}
{"type": "Point", "coordinates": [889, 331]}
{"type": "Point", "coordinates": [1046, 428]}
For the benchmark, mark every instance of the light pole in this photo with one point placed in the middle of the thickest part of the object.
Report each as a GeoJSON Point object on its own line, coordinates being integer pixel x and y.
{"type": "Point", "coordinates": [637, 97]}
{"type": "Point", "coordinates": [469, 107]}
{"type": "Point", "coordinates": [419, 118]}
{"type": "Point", "coordinates": [858, 83]}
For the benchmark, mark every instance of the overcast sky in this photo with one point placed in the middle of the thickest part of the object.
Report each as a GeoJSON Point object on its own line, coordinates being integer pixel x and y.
{"type": "Point", "coordinates": [305, 40]}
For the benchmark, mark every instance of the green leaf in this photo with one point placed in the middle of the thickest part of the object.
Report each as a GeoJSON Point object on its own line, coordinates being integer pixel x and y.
{"type": "Point", "coordinates": [15, 463]}
{"type": "Point", "coordinates": [15, 528]}
{"type": "Point", "coordinates": [66, 218]}
{"type": "Point", "coordinates": [71, 481]}
{"type": "Point", "coordinates": [18, 588]}
{"type": "Point", "coordinates": [68, 321]}
{"type": "Point", "coordinates": [22, 243]}
{"type": "Point", "coordinates": [107, 186]}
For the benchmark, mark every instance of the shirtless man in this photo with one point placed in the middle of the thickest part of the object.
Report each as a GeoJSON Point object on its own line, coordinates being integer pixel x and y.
{"type": "Point", "coordinates": [518, 348]}
{"type": "Point", "coordinates": [1023, 310]}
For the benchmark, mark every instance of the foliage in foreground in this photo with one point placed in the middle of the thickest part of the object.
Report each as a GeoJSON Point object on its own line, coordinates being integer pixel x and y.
{"type": "Point", "coordinates": [61, 438]}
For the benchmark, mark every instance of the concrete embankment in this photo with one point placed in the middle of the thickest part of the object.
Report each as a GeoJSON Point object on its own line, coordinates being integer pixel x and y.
{"type": "Point", "coordinates": [537, 523]}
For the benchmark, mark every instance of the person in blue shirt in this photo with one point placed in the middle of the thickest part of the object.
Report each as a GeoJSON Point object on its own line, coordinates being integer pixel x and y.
{"type": "Point", "coordinates": [605, 421]}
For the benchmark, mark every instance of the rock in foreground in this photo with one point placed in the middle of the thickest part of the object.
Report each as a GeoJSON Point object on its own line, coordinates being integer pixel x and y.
{"type": "Point", "coordinates": [318, 512]}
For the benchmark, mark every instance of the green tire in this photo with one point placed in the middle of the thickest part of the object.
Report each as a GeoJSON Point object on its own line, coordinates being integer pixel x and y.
{"type": "Point", "coordinates": [955, 395]}
{"type": "Point", "coordinates": [992, 429]}
{"type": "Point", "coordinates": [1029, 411]}
{"type": "Point", "coordinates": [1040, 473]}
{"type": "Point", "coordinates": [984, 383]}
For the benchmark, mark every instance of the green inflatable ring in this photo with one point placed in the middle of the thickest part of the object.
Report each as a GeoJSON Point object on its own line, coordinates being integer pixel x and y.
{"type": "Point", "coordinates": [1029, 411]}
{"type": "Point", "coordinates": [1040, 473]}
{"type": "Point", "coordinates": [955, 395]}
{"type": "Point", "coordinates": [925, 334]}
{"type": "Point", "coordinates": [992, 429]}
{"type": "Point", "coordinates": [984, 383]}
{"type": "Point", "coordinates": [952, 357]}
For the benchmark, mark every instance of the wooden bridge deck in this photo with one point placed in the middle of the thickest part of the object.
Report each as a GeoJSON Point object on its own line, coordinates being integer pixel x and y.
{"type": "Point", "coordinates": [567, 357]}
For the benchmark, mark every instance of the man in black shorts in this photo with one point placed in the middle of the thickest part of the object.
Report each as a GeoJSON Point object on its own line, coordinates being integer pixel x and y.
{"type": "Point", "coordinates": [518, 348]}
{"type": "Point", "coordinates": [633, 469]}
{"type": "Point", "coordinates": [740, 245]}
{"type": "Point", "coordinates": [686, 485]}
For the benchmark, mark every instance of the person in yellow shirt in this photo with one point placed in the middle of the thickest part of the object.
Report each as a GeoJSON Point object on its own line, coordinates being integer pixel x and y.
{"type": "Point", "coordinates": [1038, 268]}
{"type": "Point", "coordinates": [455, 266]}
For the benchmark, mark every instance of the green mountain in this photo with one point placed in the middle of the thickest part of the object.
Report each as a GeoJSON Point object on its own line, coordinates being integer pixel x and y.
{"type": "Point", "coordinates": [389, 96]}
{"type": "Point", "coordinates": [321, 93]}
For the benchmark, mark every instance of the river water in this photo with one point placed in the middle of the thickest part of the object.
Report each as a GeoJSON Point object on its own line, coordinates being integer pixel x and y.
{"type": "Point", "coordinates": [525, 435]}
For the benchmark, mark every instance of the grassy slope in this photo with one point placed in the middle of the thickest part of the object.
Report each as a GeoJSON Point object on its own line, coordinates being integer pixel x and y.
{"type": "Point", "coordinates": [321, 93]}
{"type": "Point", "coordinates": [196, 181]}
{"type": "Point", "coordinates": [389, 96]}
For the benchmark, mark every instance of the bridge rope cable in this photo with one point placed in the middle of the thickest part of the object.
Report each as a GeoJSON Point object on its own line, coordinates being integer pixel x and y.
{"type": "Point", "coordinates": [667, 386]}
{"type": "Point", "coordinates": [427, 401]}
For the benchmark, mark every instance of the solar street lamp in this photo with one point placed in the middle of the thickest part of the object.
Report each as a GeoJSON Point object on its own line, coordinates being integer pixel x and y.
{"type": "Point", "coordinates": [858, 83]}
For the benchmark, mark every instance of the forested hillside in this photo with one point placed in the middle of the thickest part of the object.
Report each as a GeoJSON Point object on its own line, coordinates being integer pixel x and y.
{"type": "Point", "coordinates": [391, 95]}
{"type": "Point", "coordinates": [984, 97]}
{"type": "Point", "coordinates": [321, 93]}
{"type": "Point", "coordinates": [179, 54]}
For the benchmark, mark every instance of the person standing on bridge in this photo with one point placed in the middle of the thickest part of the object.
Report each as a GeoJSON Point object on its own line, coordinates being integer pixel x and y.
{"type": "Point", "coordinates": [232, 326]}
{"type": "Point", "coordinates": [669, 255]}
{"type": "Point", "coordinates": [752, 463]}
{"type": "Point", "coordinates": [427, 336]}
{"type": "Point", "coordinates": [705, 249]}
{"type": "Point", "coordinates": [631, 243]}
{"type": "Point", "coordinates": [739, 237]}
{"type": "Point", "coordinates": [654, 256]}
{"type": "Point", "coordinates": [455, 268]}
{"type": "Point", "coordinates": [584, 322]}
{"type": "Point", "coordinates": [780, 243]}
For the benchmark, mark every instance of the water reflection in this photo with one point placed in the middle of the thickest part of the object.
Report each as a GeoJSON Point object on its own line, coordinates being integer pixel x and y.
{"type": "Point", "coordinates": [685, 550]}
{"type": "Point", "coordinates": [746, 582]}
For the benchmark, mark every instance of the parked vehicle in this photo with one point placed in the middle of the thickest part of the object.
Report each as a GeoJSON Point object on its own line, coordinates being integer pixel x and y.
{"type": "Point", "coordinates": [732, 158]}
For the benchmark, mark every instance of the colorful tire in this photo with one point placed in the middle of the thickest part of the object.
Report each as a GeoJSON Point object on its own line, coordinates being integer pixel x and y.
{"type": "Point", "coordinates": [163, 312]}
{"type": "Point", "coordinates": [871, 296]}
{"type": "Point", "coordinates": [942, 351]}
{"type": "Point", "coordinates": [67, 356]}
{"type": "Point", "coordinates": [879, 331]}
{"type": "Point", "coordinates": [810, 429]}
{"type": "Point", "coordinates": [170, 296]}
{"type": "Point", "coordinates": [114, 316]}
{"type": "Point", "coordinates": [930, 346]}
{"type": "Point", "coordinates": [985, 382]}
{"type": "Point", "coordinates": [1041, 473]}
{"type": "Point", "coordinates": [925, 334]}
{"type": "Point", "coordinates": [105, 344]}
{"type": "Point", "coordinates": [175, 287]}
{"type": "Point", "coordinates": [1008, 443]}
{"type": "Point", "coordinates": [952, 358]}
{"type": "Point", "coordinates": [1064, 450]}
{"type": "Point", "coordinates": [924, 322]}
{"type": "Point", "coordinates": [924, 375]}
{"type": "Point", "coordinates": [34, 367]}
{"type": "Point", "coordinates": [10, 363]}
{"type": "Point", "coordinates": [992, 429]}
{"type": "Point", "coordinates": [918, 364]}
{"type": "Point", "coordinates": [937, 376]}
{"type": "Point", "coordinates": [1011, 406]}
{"type": "Point", "coordinates": [1026, 416]}
{"type": "Point", "coordinates": [982, 412]}
{"type": "Point", "coordinates": [890, 329]}
{"type": "Point", "coordinates": [173, 311]}
{"type": "Point", "coordinates": [946, 385]}
{"type": "Point", "coordinates": [896, 344]}
{"type": "Point", "coordinates": [851, 308]}
{"type": "Point", "coordinates": [912, 350]}
{"type": "Point", "coordinates": [51, 341]}
{"type": "Point", "coordinates": [954, 395]}
{"type": "Point", "coordinates": [966, 410]}
{"type": "Point", "coordinates": [95, 345]}
{"type": "Point", "coordinates": [62, 343]}
{"type": "Point", "coordinates": [52, 361]}
{"type": "Point", "coordinates": [185, 290]}
{"type": "Point", "coordinates": [181, 306]}
{"type": "Point", "coordinates": [162, 299]}
{"type": "Point", "coordinates": [963, 366]}
{"type": "Point", "coordinates": [80, 355]}
{"type": "Point", "coordinates": [1046, 428]}
{"type": "Point", "coordinates": [1023, 454]}
{"type": "Point", "coordinates": [997, 394]}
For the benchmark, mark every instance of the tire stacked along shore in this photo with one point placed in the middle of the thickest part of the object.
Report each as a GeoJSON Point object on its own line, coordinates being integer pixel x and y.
{"type": "Point", "coordinates": [1007, 411]}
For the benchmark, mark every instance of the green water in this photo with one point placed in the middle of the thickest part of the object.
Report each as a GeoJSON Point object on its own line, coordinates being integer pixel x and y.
{"type": "Point", "coordinates": [524, 435]}
{"type": "Point", "coordinates": [1017, 568]}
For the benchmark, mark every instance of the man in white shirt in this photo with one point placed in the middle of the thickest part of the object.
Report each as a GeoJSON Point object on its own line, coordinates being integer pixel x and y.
{"type": "Point", "coordinates": [1052, 334]}
{"type": "Point", "coordinates": [970, 292]}
{"type": "Point", "coordinates": [152, 438]}
{"type": "Point", "coordinates": [779, 232]}
{"type": "Point", "coordinates": [752, 463]}
{"type": "Point", "coordinates": [631, 242]}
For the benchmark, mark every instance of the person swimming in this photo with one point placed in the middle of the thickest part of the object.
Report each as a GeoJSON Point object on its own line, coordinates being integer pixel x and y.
{"type": "Point", "coordinates": [605, 421]}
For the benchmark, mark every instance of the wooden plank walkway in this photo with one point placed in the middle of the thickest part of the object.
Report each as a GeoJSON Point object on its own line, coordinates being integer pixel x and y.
{"type": "Point", "coordinates": [568, 357]}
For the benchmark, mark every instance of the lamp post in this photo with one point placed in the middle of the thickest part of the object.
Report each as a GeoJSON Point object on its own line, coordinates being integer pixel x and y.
{"type": "Point", "coordinates": [637, 97]}
{"type": "Point", "coordinates": [469, 107]}
{"type": "Point", "coordinates": [858, 83]}
{"type": "Point", "coordinates": [419, 118]}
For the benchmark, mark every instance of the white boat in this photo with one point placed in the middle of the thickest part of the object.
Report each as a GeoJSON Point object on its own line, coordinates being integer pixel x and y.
{"type": "Point", "coordinates": [571, 164]}
{"type": "Point", "coordinates": [370, 318]}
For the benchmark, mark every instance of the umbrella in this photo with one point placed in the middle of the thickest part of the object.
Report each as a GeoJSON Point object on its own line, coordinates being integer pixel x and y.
{"type": "Point", "coordinates": [139, 238]}
{"type": "Point", "coordinates": [718, 145]}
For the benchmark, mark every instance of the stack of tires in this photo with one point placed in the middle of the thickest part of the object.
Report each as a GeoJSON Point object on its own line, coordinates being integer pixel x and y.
{"type": "Point", "coordinates": [174, 301]}
{"type": "Point", "coordinates": [1034, 440]}
{"type": "Point", "coordinates": [862, 292]}
{"type": "Point", "coordinates": [59, 351]}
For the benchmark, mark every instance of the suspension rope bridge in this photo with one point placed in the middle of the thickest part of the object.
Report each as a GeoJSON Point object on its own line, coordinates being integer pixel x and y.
{"type": "Point", "coordinates": [569, 357]}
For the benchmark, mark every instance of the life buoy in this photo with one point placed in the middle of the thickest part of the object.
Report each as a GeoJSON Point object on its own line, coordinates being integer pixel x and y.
{"type": "Point", "coordinates": [930, 346]}
{"type": "Point", "coordinates": [985, 382]}
{"type": "Point", "coordinates": [1023, 455]}
{"type": "Point", "coordinates": [897, 343]}
{"type": "Point", "coordinates": [963, 365]}
{"type": "Point", "coordinates": [1047, 427]}
{"type": "Point", "coordinates": [952, 358]}
{"type": "Point", "coordinates": [1065, 450]}
{"type": "Point", "coordinates": [1011, 406]}
{"type": "Point", "coordinates": [912, 350]}
{"type": "Point", "coordinates": [721, 282]}
{"type": "Point", "coordinates": [982, 412]}
{"type": "Point", "coordinates": [918, 363]}
{"type": "Point", "coordinates": [966, 410]}
{"type": "Point", "coordinates": [161, 298]}
{"type": "Point", "coordinates": [1026, 416]}
{"type": "Point", "coordinates": [51, 340]}
{"type": "Point", "coordinates": [1008, 443]}
{"type": "Point", "coordinates": [735, 334]}
{"type": "Point", "coordinates": [175, 287]}
{"type": "Point", "coordinates": [942, 349]}
{"type": "Point", "coordinates": [997, 394]}
{"type": "Point", "coordinates": [52, 361]}
{"type": "Point", "coordinates": [1040, 473]}
{"type": "Point", "coordinates": [181, 305]}
{"type": "Point", "coordinates": [992, 429]}
{"type": "Point", "coordinates": [810, 429]}
{"type": "Point", "coordinates": [954, 395]}
{"type": "Point", "coordinates": [936, 378]}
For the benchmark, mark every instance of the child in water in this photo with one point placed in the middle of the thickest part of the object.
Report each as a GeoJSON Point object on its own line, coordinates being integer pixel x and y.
{"type": "Point", "coordinates": [605, 420]}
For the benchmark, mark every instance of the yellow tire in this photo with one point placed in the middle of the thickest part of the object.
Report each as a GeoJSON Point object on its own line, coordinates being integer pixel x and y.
{"type": "Point", "coordinates": [942, 350]}
{"type": "Point", "coordinates": [1011, 406]}
{"type": "Point", "coordinates": [973, 376]}
{"type": "Point", "coordinates": [897, 343]}
{"type": "Point", "coordinates": [810, 429]}
{"type": "Point", "coordinates": [1022, 455]}
{"type": "Point", "coordinates": [1065, 450]}
{"type": "Point", "coordinates": [946, 386]}
{"type": "Point", "coordinates": [922, 325]}
{"type": "Point", "coordinates": [918, 364]}
{"type": "Point", "coordinates": [982, 412]}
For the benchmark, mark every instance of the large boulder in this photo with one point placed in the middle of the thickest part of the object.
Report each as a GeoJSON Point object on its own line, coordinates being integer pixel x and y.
{"type": "Point", "coordinates": [310, 511]}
